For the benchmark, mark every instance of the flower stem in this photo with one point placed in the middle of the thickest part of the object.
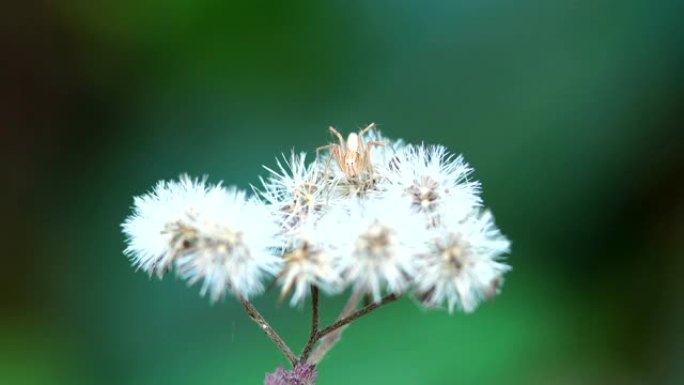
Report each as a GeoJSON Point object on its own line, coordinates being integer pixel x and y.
{"type": "Point", "coordinates": [328, 341]}
{"type": "Point", "coordinates": [357, 314]}
{"type": "Point", "coordinates": [343, 322]}
{"type": "Point", "coordinates": [266, 327]}
{"type": "Point", "coordinates": [313, 336]}
{"type": "Point", "coordinates": [328, 335]}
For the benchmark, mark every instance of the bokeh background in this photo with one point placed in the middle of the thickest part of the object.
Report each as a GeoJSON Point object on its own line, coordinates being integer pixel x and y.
{"type": "Point", "coordinates": [570, 111]}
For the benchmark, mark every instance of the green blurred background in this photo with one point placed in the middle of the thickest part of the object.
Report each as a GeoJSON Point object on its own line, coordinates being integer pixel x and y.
{"type": "Point", "coordinates": [570, 111]}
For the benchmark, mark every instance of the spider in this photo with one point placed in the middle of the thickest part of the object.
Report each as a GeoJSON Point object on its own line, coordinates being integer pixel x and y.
{"type": "Point", "coordinates": [352, 155]}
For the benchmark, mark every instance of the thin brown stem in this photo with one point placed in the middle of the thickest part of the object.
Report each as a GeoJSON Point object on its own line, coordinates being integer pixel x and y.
{"type": "Point", "coordinates": [328, 341]}
{"type": "Point", "coordinates": [357, 314]}
{"type": "Point", "coordinates": [266, 327]}
{"type": "Point", "coordinates": [313, 335]}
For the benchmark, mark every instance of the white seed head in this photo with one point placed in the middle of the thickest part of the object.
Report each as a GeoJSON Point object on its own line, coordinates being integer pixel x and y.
{"type": "Point", "coordinates": [432, 181]}
{"type": "Point", "coordinates": [307, 262]}
{"type": "Point", "coordinates": [376, 242]}
{"type": "Point", "coordinates": [212, 234]}
{"type": "Point", "coordinates": [294, 190]}
{"type": "Point", "coordinates": [151, 247]}
{"type": "Point", "coordinates": [463, 264]}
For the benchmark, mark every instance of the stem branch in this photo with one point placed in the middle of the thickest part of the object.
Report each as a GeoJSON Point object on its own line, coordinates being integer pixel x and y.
{"type": "Point", "coordinates": [266, 327]}
{"type": "Point", "coordinates": [357, 314]}
{"type": "Point", "coordinates": [313, 336]}
{"type": "Point", "coordinates": [328, 341]}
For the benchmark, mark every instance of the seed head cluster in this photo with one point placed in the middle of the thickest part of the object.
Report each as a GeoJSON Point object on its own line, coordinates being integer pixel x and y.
{"type": "Point", "coordinates": [410, 221]}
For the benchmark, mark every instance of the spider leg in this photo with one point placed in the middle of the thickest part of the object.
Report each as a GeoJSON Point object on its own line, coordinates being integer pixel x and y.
{"type": "Point", "coordinates": [333, 147]}
{"type": "Point", "coordinates": [337, 153]}
{"type": "Point", "coordinates": [333, 131]}
{"type": "Point", "coordinates": [321, 148]}
{"type": "Point", "coordinates": [368, 128]}
{"type": "Point", "coordinates": [366, 155]}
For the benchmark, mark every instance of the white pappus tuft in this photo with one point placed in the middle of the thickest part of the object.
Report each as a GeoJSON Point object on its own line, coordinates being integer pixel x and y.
{"type": "Point", "coordinates": [307, 262]}
{"type": "Point", "coordinates": [432, 180]}
{"type": "Point", "coordinates": [212, 234]}
{"type": "Point", "coordinates": [463, 264]}
{"type": "Point", "coordinates": [295, 190]}
{"type": "Point", "coordinates": [376, 243]}
{"type": "Point", "coordinates": [151, 247]}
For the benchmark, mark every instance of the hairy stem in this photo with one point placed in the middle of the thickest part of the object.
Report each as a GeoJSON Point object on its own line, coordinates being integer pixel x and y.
{"type": "Point", "coordinates": [328, 341]}
{"type": "Point", "coordinates": [313, 335]}
{"type": "Point", "coordinates": [357, 314]}
{"type": "Point", "coordinates": [266, 327]}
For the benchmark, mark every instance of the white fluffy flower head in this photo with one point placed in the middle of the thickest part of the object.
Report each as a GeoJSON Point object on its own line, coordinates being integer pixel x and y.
{"type": "Point", "coordinates": [294, 191]}
{"type": "Point", "coordinates": [375, 242]}
{"type": "Point", "coordinates": [430, 179]}
{"type": "Point", "coordinates": [212, 234]}
{"type": "Point", "coordinates": [462, 266]}
{"type": "Point", "coordinates": [151, 247]}
{"type": "Point", "coordinates": [307, 261]}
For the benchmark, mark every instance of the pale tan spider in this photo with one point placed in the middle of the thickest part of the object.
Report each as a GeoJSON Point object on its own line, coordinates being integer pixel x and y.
{"type": "Point", "coordinates": [352, 155]}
